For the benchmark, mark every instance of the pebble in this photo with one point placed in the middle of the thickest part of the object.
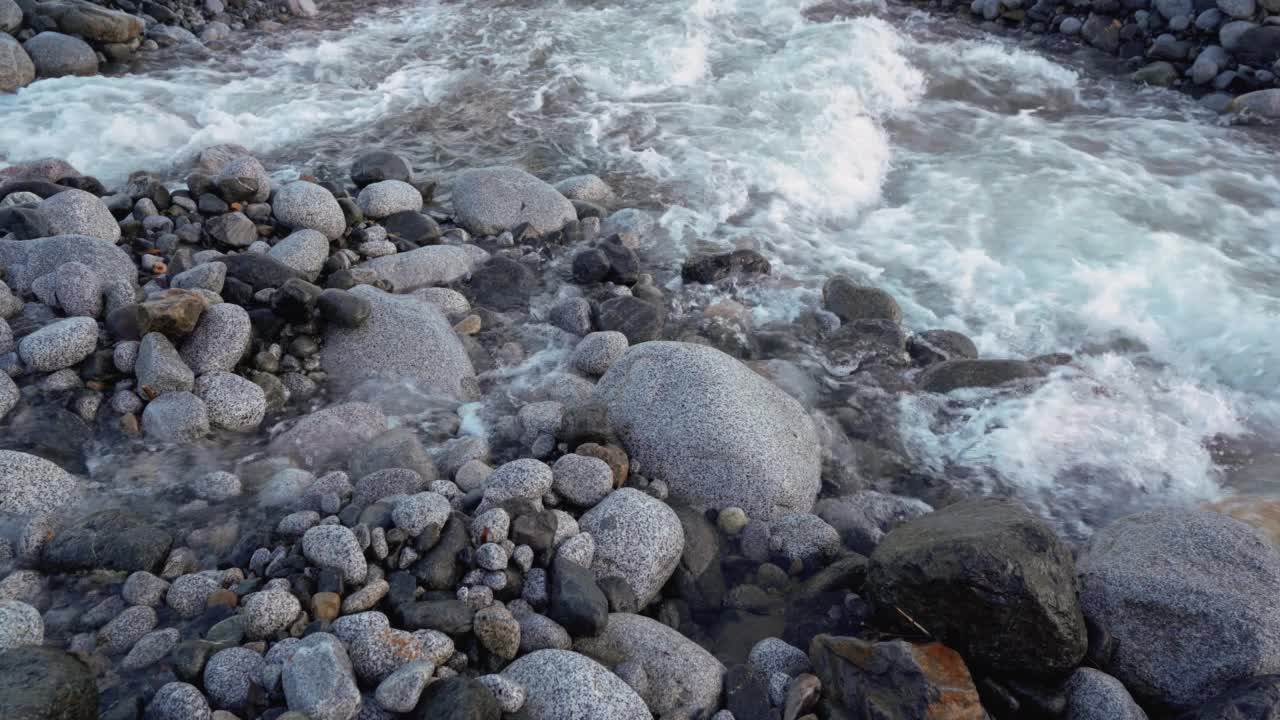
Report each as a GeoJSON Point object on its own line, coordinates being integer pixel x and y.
{"type": "Point", "coordinates": [216, 486]}
{"type": "Point", "coordinates": [335, 547]}
{"type": "Point", "coordinates": [377, 654]}
{"type": "Point", "coordinates": [415, 513]}
{"type": "Point", "coordinates": [150, 649]}
{"type": "Point", "coordinates": [230, 675]}
{"type": "Point", "coordinates": [498, 631]}
{"type": "Point", "coordinates": [492, 556]}
{"type": "Point", "coordinates": [60, 344]}
{"type": "Point", "coordinates": [399, 693]}
{"type": "Point", "coordinates": [772, 655]}
{"type": "Point", "coordinates": [188, 594]}
{"type": "Point", "coordinates": [78, 289]}
{"type": "Point", "coordinates": [296, 524]}
{"type": "Point", "coordinates": [366, 598]}
{"type": "Point", "coordinates": [582, 480]}
{"type": "Point", "coordinates": [178, 701]}
{"type": "Point", "coordinates": [20, 624]}
{"type": "Point", "coordinates": [268, 612]}
{"type": "Point", "coordinates": [596, 352]}
{"type": "Point", "coordinates": [233, 402]}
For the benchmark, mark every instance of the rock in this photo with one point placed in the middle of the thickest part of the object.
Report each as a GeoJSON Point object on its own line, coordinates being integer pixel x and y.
{"type": "Point", "coordinates": [1094, 695]}
{"type": "Point", "coordinates": [415, 513]}
{"type": "Point", "coordinates": [306, 206]}
{"type": "Point", "coordinates": [233, 229]}
{"type": "Point", "coordinates": [427, 266]}
{"type": "Point", "coordinates": [335, 547]}
{"type": "Point", "coordinates": [404, 339]}
{"type": "Point", "coordinates": [1008, 580]}
{"type": "Point", "coordinates": [178, 701]}
{"type": "Point", "coordinates": [684, 680]}
{"type": "Point", "coordinates": [343, 308]}
{"type": "Point", "coordinates": [639, 320]}
{"type": "Point", "coordinates": [28, 260]}
{"type": "Point", "coordinates": [576, 602]}
{"type": "Point", "coordinates": [804, 538]}
{"type": "Point", "coordinates": [586, 188]}
{"type": "Point", "coordinates": [933, 346]}
{"type": "Point", "coordinates": [414, 228]}
{"type": "Point", "coordinates": [1259, 46]}
{"type": "Point", "coordinates": [230, 676]}
{"type": "Point", "coordinates": [125, 629]}
{"type": "Point", "coordinates": [188, 594]}
{"type": "Point", "coordinates": [951, 375]}
{"type": "Point", "coordinates": [16, 68]}
{"type": "Point", "coordinates": [400, 692]}
{"type": "Point", "coordinates": [1159, 74]}
{"type": "Point", "coordinates": [564, 685]}
{"type": "Point", "coordinates": [173, 313]}
{"type": "Point", "coordinates": [596, 352]}
{"type": "Point", "coordinates": [1170, 579]}
{"type": "Point", "coordinates": [850, 301]}
{"type": "Point", "coordinates": [539, 632]}
{"type": "Point", "coordinates": [243, 179]}
{"type": "Point", "coordinates": [526, 478]}
{"type": "Point", "coordinates": [582, 480]}
{"type": "Point", "coordinates": [31, 485]}
{"type": "Point", "coordinates": [258, 270]}
{"type": "Point", "coordinates": [268, 612]}
{"type": "Point", "coordinates": [1253, 698]}
{"type": "Point", "coordinates": [772, 655]}
{"type": "Point", "coordinates": [712, 268]}
{"type": "Point", "coordinates": [509, 694]}
{"type": "Point", "coordinates": [9, 395]}
{"type": "Point", "coordinates": [1230, 33]}
{"type": "Point", "coordinates": [60, 344]}
{"type": "Point", "coordinates": [399, 448]}
{"type": "Point", "coordinates": [332, 432]}
{"type": "Point", "coordinates": [573, 315]}
{"type": "Point", "coordinates": [743, 443]}
{"type": "Point", "coordinates": [319, 681]}
{"type": "Point", "coordinates": [379, 165]}
{"type": "Point", "coordinates": [1265, 103]}
{"type": "Point", "coordinates": [1238, 9]}
{"type": "Point", "coordinates": [176, 417]}
{"type": "Point", "coordinates": [304, 251]}
{"type": "Point", "coordinates": [41, 682]}
{"type": "Point", "coordinates": [150, 649]}
{"type": "Point", "coordinates": [10, 17]}
{"type": "Point", "coordinates": [862, 519]}
{"type": "Point", "coordinates": [503, 284]}
{"type": "Point", "coordinates": [894, 679]}
{"type": "Point", "coordinates": [143, 588]}
{"type": "Point", "coordinates": [57, 55]}
{"type": "Point", "coordinates": [233, 403]}
{"type": "Point", "coordinates": [159, 367]}
{"type": "Point", "coordinates": [498, 631]}
{"type": "Point", "coordinates": [387, 197]}
{"type": "Point", "coordinates": [489, 200]}
{"type": "Point", "coordinates": [457, 698]}
{"type": "Point", "coordinates": [20, 624]}
{"type": "Point", "coordinates": [216, 486]}
{"type": "Point", "coordinates": [638, 538]}
{"type": "Point", "coordinates": [108, 540]}
{"type": "Point", "coordinates": [78, 290]}
{"type": "Point", "coordinates": [93, 23]}
{"type": "Point", "coordinates": [210, 276]}
{"type": "Point", "coordinates": [1102, 32]}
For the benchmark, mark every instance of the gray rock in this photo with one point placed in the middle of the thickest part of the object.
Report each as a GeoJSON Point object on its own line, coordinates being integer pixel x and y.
{"type": "Point", "coordinates": [230, 676]}
{"type": "Point", "coordinates": [1265, 103]}
{"type": "Point", "coordinates": [586, 188]}
{"type": "Point", "coordinates": [427, 266]}
{"type": "Point", "coordinates": [319, 680]}
{"type": "Point", "coordinates": [539, 632]}
{"type": "Point", "coordinates": [1102, 32]}
{"type": "Point", "coordinates": [742, 442]}
{"type": "Point", "coordinates": [525, 478]}
{"type": "Point", "coordinates": [56, 55]}
{"type": "Point", "coordinates": [160, 368]}
{"type": "Point", "coordinates": [451, 302]}
{"type": "Point", "coordinates": [1095, 695]}
{"type": "Point", "coordinates": [950, 375]}
{"type": "Point", "coordinates": [1171, 9]}
{"type": "Point", "coordinates": [399, 693]}
{"type": "Point", "coordinates": [171, 35]}
{"type": "Point", "coordinates": [306, 206]}
{"type": "Point", "coordinates": [638, 538]}
{"type": "Point", "coordinates": [188, 594]}
{"type": "Point", "coordinates": [210, 276]}
{"type": "Point", "coordinates": [582, 480]}
{"type": "Point", "coordinates": [304, 251]}
{"type": "Point", "coordinates": [234, 403]}
{"type": "Point", "coordinates": [596, 352]}
{"type": "Point", "coordinates": [9, 394]}
{"type": "Point", "coordinates": [233, 229]}
{"type": "Point", "coordinates": [26, 261]}
{"type": "Point", "coordinates": [1208, 64]}
{"type": "Point", "coordinates": [78, 289]}
{"type": "Point", "coordinates": [417, 512]}
{"type": "Point", "coordinates": [216, 486]}
{"type": "Point", "coordinates": [509, 694]}
{"type": "Point", "coordinates": [178, 701]}
{"type": "Point", "coordinates": [772, 655]}
{"type": "Point", "coordinates": [862, 519]}
{"type": "Point", "coordinates": [143, 588]}
{"type": "Point", "coordinates": [633, 226]}
{"type": "Point", "coordinates": [335, 547]}
{"type": "Point", "coordinates": [108, 540]}
{"type": "Point", "coordinates": [10, 16]}
{"type": "Point", "coordinates": [399, 448]}
{"type": "Point", "coordinates": [378, 165]}
{"type": "Point", "coordinates": [489, 200]}
{"type": "Point", "coordinates": [1230, 33]}
{"type": "Point", "coordinates": [20, 624]}
{"type": "Point", "coordinates": [243, 178]}
{"type": "Point", "coordinates": [498, 631]}
{"type": "Point", "coordinates": [59, 345]}
{"type": "Point", "coordinates": [565, 685]}
{"type": "Point", "coordinates": [150, 649]}
{"type": "Point", "coordinates": [76, 212]}
{"type": "Point", "coordinates": [805, 538]}
{"type": "Point", "coordinates": [1238, 9]}
{"type": "Point", "coordinates": [332, 432]}
{"type": "Point", "coordinates": [572, 315]}
{"type": "Point", "coordinates": [378, 653]}
{"type": "Point", "coordinates": [1166, 580]}
{"type": "Point", "coordinates": [388, 197]}
{"type": "Point", "coordinates": [176, 417]}
{"type": "Point", "coordinates": [268, 612]}
{"type": "Point", "coordinates": [16, 67]}
{"type": "Point", "coordinates": [391, 482]}
{"type": "Point", "coordinates": [220, 339]}
{"type": "Point", "coordinates": [404, 340]}
{"type": "Point", "coordinates": [127, 628]}
{"type": "Point", "coordinates": [850, 301]}
{"type": "Point", "coordinates": [7, 345]}
{"type": "Point", "coordinates": [42, 682]}
{"type": "Point", "coordinates": [32, 484]}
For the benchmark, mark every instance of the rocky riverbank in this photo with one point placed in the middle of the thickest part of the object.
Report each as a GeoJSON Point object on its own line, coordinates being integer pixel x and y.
{"type": "Point", "coordinates": [491, 454]}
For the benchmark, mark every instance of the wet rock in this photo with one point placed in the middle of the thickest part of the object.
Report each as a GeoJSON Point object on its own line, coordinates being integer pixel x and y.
{"type": "Point", "coordinates": [489, 200]}
{"type": "Point", "coordinates": [188, 594]}
{"type": "Point", "coordinates": [563, 685]}
{"type": "Point", "coordinates": [332, 432]}
{"type": "Point", "coordinates": [41, 682]}
{"type": "Point", "coordinates": [304, 251]}
{"type": "Point", "coordinates": [16, 68]}
{"type": "Point", "coordinates": [176, 417]}
{"type": "Point", "coordinates": [30, 484]}
{"type": "Point", "coordinates": [415, 513]}
{"type": "Point", "coordinates": [20, 624]}
{"type": "Point", "coordinates": [343, 308]}
{"type": "Point", "coordinates": [457, 698]}
{"type": "Point", "coordinates": [233, 403]}
{"type": "Point", "coordinates": [387, 197]}
{"type": "Point", "coordinates": [379, 165]}
{"type": "Point", "coordinates": [57, 55]}
{"type": "Point", "coordinates": [850, 301]}
{"type": "Point", "coordinates": [335, 547]}
{"type": "Point", "coordinates": [243, 179]}
{"type": "Point", "coordinates": [713, 267]}
{"type": "Point", "coordinates": [895, 679]}
{"type": "Point", "coordinates": [1259, 46]}
{"type": "Point", "coordinates": [1169, 579]}
{"type": "Point", "coordinates": [951, 375]}
{"type": "Point", "coordinates": [576, 602]}
{"type": "Point", "coordinates": [178, 701]}
{"type": "Point", "coordinates": [639, 320]}
{"type": "Point", "coordinates": [404, 339]}
{"type": "Point", "coordinates": [28, 260]}
{"type": "Point", "coordinates": [526, 478]}
{"type": "Point", "coordinates": [414, 228]}
{"type": "Point", "coordinates": [1094, 695]}
{"type": "Point", "coordinates": [159, 368]}
{"type": "Point", "coordinates": [933, 346]}
{"type": "Point", "coordinates": [143, 588]}
{"type": "Point", "coordinates": [862, 519]}
{"type": "Point", "coordinates": [503, 284]}
{"type": "Point", "coordinates": [684, 680]}
{"type": "Point", "coordinates": [586, 188]}
{"type": "Point", "coordinates": [427, 266]}
{"type": "Point", "coordinates": [233, 229]}
{"type": "Point", "coordinates": [150, 649]}
{"type": "Point", "coordinates": [1265, 103]}
{"type": "Point", "coordinates": [258, 270]}
{"type": "Point", "coordinates": [60, 344]}
{"type": "Point", "coordinates": [803, 538]}
{"type": "Point", "coordinates": [301, 205]}
{"type": "Point", "coordinates": [637, 538]}
{"type": "Point", "coordinates": [319, 681]}
{"type": "Point", "coordinates": [743, 443]}
{"type": "Point", "coordinates": [230, 677]}
{"type": "Point", "coordinates": [1009, 585]}
{"type": "Point", "coordinates": [108, 540]}
{"type": "Point", "coordinates": [127, 628]}
{"type": "Point", "coordinates": [399, 448]}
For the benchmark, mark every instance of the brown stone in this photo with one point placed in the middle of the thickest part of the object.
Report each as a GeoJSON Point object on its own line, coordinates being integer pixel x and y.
{"type": "Point", "coordinates": [894, 680]}
{"type": "Point", "coordinates": [325, 606]}
{"type": "Point", "coordinates": [223, 597]}
{"type": "Point", "coordinates": [614, 456]}
{"type": "Point", "coordinates": [469, 325]}
{"type": "Point", "coordinates": [173, 312]}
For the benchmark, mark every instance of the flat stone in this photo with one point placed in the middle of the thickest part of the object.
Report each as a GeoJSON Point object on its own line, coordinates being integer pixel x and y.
{"type": "Point", "coordinates": [400, 692]}
{"type": "Point", "coordinates": [108, 540]}
{"type": "Point", "coordinates": [428, 266]}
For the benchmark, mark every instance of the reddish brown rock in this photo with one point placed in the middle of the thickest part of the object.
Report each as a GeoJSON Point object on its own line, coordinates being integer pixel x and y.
{"type": "Point", "coordinates": [615, 457]}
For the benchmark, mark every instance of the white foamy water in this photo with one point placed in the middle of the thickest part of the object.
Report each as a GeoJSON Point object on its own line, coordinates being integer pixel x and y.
{"type": "Point", "coordinates": [1021, 199]}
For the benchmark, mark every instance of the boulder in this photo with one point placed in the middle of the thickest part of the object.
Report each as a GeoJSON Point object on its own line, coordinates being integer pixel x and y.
{"type": "Point", "coordinates": [717, 433]}
{"type": "Point", "coordinates": [59, 345]}
{"type": "Point", "coordinates": [16, 68]}
{"type": "Point", "coordinates": [565, 685]}
{"type": "Point", "coordinates": [92, 22]}
{"type": "Point", "coordinates": [987, 578]}
{"type": "Point", "coordinates": [1095, 695]}
{"type": "Point", "coordinates": [76, 212]}
{"type": "Point", "coordinates": [405, 339]}
{"type": "Point", "coordinates": [31, 485]}
{"type": "Point", "coordinates": [333, 432]}
{"type": "Point", "coordinates": [108, 540]}
{"type": "Point", "coordinates": [10, 17]}
{"type": "Point", "coordinates": [1264, 103]}
{"type": "Point", "coordinates": [301, 205]}
{"type": "Point", "coordinates": [489, 200]}
{"type": "Point", "coordinates": [1253, 698]}
{"type": "Point", "coordinates": [319, 681]}
{"type": "Point", "coordinates": [39, 683]}
{"type": "Point", "coordinates": [638, 538]}
{"type": "Point", "coordinates": [951, 375]}
{"type": "Point", "coordinates": [56, 55]}
{"type": "Point", "coordinates": [304, 251]}
{"type": "Point", "coordinates": [850, 301]}
{"type": "Point", "coordinates": [1189, 596]}
{"type": "Point", "coordinates": [427, 266]}
{"type": "Point", "coordinates": [685, 681]}
{"type": "Point", "coordinates": [28, 260]}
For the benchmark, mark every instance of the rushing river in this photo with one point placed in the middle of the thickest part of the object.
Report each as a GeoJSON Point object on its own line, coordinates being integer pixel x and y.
{"type": "Point", "coordinates": [1031, 200]}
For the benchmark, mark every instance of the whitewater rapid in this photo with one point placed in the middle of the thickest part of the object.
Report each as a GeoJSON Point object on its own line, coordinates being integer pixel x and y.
{"type": "Point", "coordinates": [1034, 202]}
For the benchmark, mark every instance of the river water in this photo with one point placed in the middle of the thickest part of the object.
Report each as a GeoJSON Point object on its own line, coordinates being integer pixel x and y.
{"type": "Point", "coordinates": [1030, 199]}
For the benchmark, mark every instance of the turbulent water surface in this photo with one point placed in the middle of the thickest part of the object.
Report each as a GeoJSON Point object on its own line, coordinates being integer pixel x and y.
{"type": "Point", "coordinates": [1029, 200]}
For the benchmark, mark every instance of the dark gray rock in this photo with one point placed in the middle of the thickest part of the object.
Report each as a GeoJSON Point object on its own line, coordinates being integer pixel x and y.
{"type": "Point", "coordinates": [951, 375]}
{"type": "Point", "coordinates": [713, 267]}
{"type": "Point", "coordinates": [576, 602]}
{"type": "Point", "coordinates": [1009, 584]}
{"type": "Point", "coordinates": [1253, 699]}
{"type": "Point", "coordinates": [343, 308]}
{"type": "Point", "coordinates": [503, 284]}
{"type": "Point", "coordinates": [108, 540]}
{"type": "Point", "coordinates": [862, 519]}
{"type": "Point", "coordinates": [1102, 32]}
{"type": "Point", "coordinates": [452, 617]}
{"type": "Point", "coordinates": [379, 165]}
{"type": "Point", "coordinates": [56, 55]}
{"type": "Point", "coordinates": [1259, 46]}
{"type": "Point", "coordinates": [851, 301]}
{"type": "Point", "coordinates": [456, 698]}
{"type": "Point", "coordinates": [258, 270]}
{"type": "Point", "coordinates": [1094, 695]}
{"type": "Point", "coordinates": [234, 229]}
{"type": "Point", "coordinates": [42, 683]}
{"type": "Point", "coordinates": [638, 319]}
{"type": "Point", "coordinates": [934, 346]}
{"type": "Point", "coordinates": [893, 679]}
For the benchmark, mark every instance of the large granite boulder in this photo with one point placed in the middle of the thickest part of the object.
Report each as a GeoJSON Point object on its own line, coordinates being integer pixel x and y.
{"type": "Point", "coordinates": [56, 55]}
{"type": "Point", "coordinates": [565, 685]}
{"type": "Point", "coordinates": [30, 484]}
{"type": "Point", "coordinates": [28, 260]}
{"type": "Point", "coordinates": [490, 200]}
{"type": "Point", "coordinates": [16, 68]}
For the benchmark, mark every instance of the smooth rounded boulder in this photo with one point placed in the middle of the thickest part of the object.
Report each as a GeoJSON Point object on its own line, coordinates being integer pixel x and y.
{"type": "Point", "coordinates": [27, 261]}
{"type": "Point", "coordinates": [30, 484]}
{"type": "Point", "coordinates": [987, 578]}
{"type": "Point", "coordinates": [56, 55]}
{"type": "Point", "coordinates": [16, 68]}
{"type": "Point", "coordinates": [717, 433]}
{"type": "Point", "coordinates": [1191, 598]}
{"type": "Point", "coordinates": [638, 539]}
{"type": "Point", "coordinates": [565, 685]}
{"type": "Point", "coordinates": [43, 682]}
{"type": "Point", "coordinates": [76, 212]}
{"type": "Point", "coordinates": [301, 205]}
{"type": "Point", "coordinates": [489, 200]}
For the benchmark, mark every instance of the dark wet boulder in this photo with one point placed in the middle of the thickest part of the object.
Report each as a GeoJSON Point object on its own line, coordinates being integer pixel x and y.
{"type": "Point", "coordinates": [639, 320]}
{"type": "Point", "coordinates": [412, 227]}
{"type": "Point", "coordinates": [503, 284]}
{"type": "Point", "coordinates": [713, 267]}
{"type": "Point", "coordinates": [590, 266]}
{"type": "Point", "coordinates": [576, 601]}
{"type": "Point", "coordinates": [258, 270]}
{"type": "Point", "coordinates": [24, 223]}
{"type": "Point", "coordinates": [1259, 46]}
{"type": "Point", "coordinates": [108, 540]}
{"type": "Point", "coordinates": [987, 578]}
{"type": "Point", "coordinates": [1253, 699]}
{"type": "Point", "coordinates": [951, 375]}
{"type": "Point", "coordinates": [934, 346]}
{"type": "Point", "coordinates": [379, 165]}
{"type": "Point", "coordinates": [456, 698]}
{"type": "Point", "coordinates": [851, 301]}
{"type": "Point", "coordinates": [43, 683]}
